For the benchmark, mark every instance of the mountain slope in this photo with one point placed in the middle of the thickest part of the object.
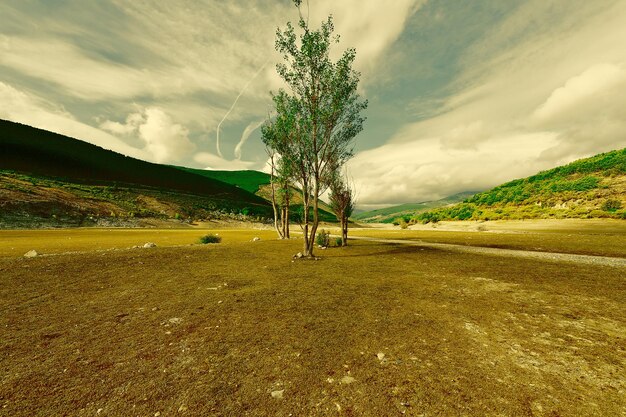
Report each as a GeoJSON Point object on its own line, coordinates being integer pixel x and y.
{"type": "Point", "coordinates": [39, 152]}
{"type": "Point", "coordinates": [390, 214]}
{"type": "Point", "coordinates": [51, 179]}
{"type": "Point", "coordinates": [248, 180]}
{"type": "Point", "coordinates": [587, 188]}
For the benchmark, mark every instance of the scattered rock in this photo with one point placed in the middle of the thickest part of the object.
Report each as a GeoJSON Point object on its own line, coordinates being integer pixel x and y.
{"type": "Point", "coordinates": [157, 414]}
{"type": "Point", "coordinates": [347, 380]}
{"type": "Point", "coordinates": [256, 239]}
{"type": "Point", "coordinates": [380, 356]}
{"type": "Point", "coordinates": [182, 408]}
{"type": "Point", "coordinates": [31, 254]}
{"type": "Point", "coordinates": [149, 245]}
{"type": "Point", "coordinates": [278, 394]}
{"type": "Point", "coordinates": [298, 255]}
{"type": "Point", "coordinates": [175, 320]}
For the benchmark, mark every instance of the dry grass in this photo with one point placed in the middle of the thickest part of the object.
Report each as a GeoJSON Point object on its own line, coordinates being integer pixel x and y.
{"type": "Point", "coordinates": [587, 237]}
{"type": "Point", "coordinates": [213, 330]}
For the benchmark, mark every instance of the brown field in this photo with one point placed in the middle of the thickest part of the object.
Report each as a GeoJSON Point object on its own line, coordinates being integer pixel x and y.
{"type": "Point", "coordinates": [586, 237]}
{"type": "Point", "coordinates": [238, 329]}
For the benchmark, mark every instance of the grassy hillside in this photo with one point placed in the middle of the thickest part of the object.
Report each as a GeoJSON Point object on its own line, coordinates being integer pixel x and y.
{"type": "Point", "coordinates": [408, 210]}
{"type": "Point", "coordinates": [48, 179]}
{"type": "Point", "coordinates": [248, 180]}
{"type": "Point", "coordinates": [41, 153]}
{"type": "Point", "coordinates": [588, 188]}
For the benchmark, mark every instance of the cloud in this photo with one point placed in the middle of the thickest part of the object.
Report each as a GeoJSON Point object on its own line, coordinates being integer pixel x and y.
{"type": "Point", "coordinates": [365, 25]}
{"type": "Point", "coordinates": [582, 93]}
{"type": "Point", "coordinates": [550, 96]}
{"type": "Point", "coordinates": [22, 107]}
{"type": "Point", "coordinates": [164, 140]}
{"type": "Point", "coordinates": [424, 170]}
{"type": "Point", "coordinates": [212, 161]}
{"type": "Point", "coordinates": [245, 135]}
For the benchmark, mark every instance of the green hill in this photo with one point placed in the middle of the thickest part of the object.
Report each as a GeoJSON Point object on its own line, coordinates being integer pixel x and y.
{"type": "Point", "coordinates": [259, 183]}
{"type": "Point", "coordinates": [588, 188]}
{"type": "Point", "coordinates": [408, 210]}
{"type": "Point", "coordinates": [47, 175]}
{"type": "Point", "coordinates": [248, 180]}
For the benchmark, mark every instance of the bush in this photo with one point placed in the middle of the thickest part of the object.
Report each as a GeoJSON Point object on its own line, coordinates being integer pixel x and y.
{"type": "Point", "coordinates": [612, 205]}
{"type": "Point", "coordinates": [323, 238]}
{"type": "Point", "coordinates": [338, 241]}
{"type": "Point", "coordinates": [210, 239]}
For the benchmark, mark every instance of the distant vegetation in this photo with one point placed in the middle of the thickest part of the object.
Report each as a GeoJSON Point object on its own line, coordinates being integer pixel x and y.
{"type": "Point", "coordinates": [408, 210]}
{"type": "Point", "coordinates": [587, 188]}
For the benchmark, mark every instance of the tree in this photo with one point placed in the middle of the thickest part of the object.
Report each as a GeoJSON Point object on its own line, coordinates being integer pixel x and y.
{"type": "Point", "coordinates": [342, 202]}
{"type": "Point", "coordinates": [317, 120]}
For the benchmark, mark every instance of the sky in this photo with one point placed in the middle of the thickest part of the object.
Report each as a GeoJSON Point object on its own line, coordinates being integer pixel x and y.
{"type": "Point", "coordinates": [463, 96]}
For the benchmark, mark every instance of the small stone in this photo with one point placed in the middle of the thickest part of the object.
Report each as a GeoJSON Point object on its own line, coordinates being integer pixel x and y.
{"type": "Point", "coordinates": [182, 408]}
{"type": "Point", "coordinates": [99, 411]}
{"type": "Point", "coordinates": [256, 239]}
{"type": "Point", "coordinates": [347, 380]}
{"type": "Point", "coordinates": [31, 254]}
{"type": "Point", "coordinates": [157, 414]}
{"type": "Point", "coordinates": [220, 302]}
{"type": "Point", "coordinates": [175, 320]}
{"type": "Point", "coordinates": [298, 255]}
{"type": "Point", "coordinates": [380, 356]}
{"type": "Point", "coordinates": [149, 245]}
{"type": "Point", "coordinates": [278, 394]}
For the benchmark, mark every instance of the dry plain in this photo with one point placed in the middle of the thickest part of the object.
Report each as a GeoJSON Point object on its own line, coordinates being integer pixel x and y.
{"type": "Point", "coordinates": [94, 327]}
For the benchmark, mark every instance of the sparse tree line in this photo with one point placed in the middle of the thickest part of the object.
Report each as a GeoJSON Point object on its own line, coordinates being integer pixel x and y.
{"type": "Point", "coordinates": [309, 134]}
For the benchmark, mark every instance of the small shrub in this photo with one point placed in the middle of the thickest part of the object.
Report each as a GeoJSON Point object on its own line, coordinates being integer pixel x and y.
{"type": "Point", "coordinates": [612, 205]}
{"type": "Point", "coordinates": [338, 241]}
{"type": "Point", "coordinates": [322, 238]}
{"type": "Point", "coordinates": [210, 239]}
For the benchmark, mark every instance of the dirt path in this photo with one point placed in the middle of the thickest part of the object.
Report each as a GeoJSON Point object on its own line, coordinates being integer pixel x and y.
{"type": "Point", "coordinates": [552, 256]}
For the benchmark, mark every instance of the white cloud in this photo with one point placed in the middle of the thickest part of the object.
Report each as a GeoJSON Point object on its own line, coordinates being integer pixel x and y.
{"type": "Point", "coordinates": [582, 92]}
{"type": "Point", "coordinates": [245, 135]}
{"type": "Point", "coordinates": [550, 96]}
{"type": "Point", "coordinates": [212, 161]}
{"type": "Point", "coordinates": [25, 108]}
{"type": "Point", "coordinates": [165, 141]}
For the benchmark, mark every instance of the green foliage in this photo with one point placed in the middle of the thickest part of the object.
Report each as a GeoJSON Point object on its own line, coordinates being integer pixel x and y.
{"type": "Point", "coordinates": [338, 241]}
{"type": "Point", "coordinates": [248, 180]}
{"type": "Point", "coordinates": [210, 239]}
{"type": "Point", "coordinates": [612, 205]}
{"type": "Point", "coordinates": [543, 195]}
{"type": "Point", "coordinates": [323, 238]}
{"type": "Point", "coordinates": [409, 210]}
{"type": "Point", "coordinates": [315, 121]}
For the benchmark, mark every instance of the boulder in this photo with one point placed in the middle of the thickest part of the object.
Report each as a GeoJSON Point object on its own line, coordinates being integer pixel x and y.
{"type": "Point", "coordinates": [31, 254]}
{"type": "Point", "coordinates": [150, 245]}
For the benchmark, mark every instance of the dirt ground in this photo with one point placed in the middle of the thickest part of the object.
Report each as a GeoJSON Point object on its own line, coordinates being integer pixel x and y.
{"type": "Point", "coordinates": [238, 329]}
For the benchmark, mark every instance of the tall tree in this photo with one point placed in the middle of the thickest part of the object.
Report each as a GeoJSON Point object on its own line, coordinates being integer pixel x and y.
{"type": "Point", "coordinates": [320, 115]}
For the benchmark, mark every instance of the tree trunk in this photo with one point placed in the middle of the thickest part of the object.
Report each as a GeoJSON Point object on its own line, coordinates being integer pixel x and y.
{"type": "Point", "coordinates": [278, 229]}
{"type": "Point", "coordinates": [306, 201]}
{"type": "Point", "coordinates": [316, 219]}
{"type": "Point", "coordinates": [344, 231]}
{"type": "Point", "coordinates": [286, 231]}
